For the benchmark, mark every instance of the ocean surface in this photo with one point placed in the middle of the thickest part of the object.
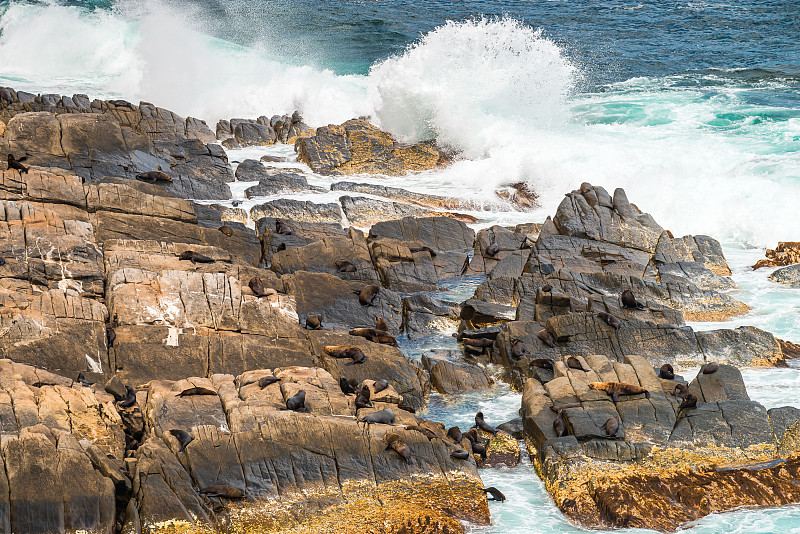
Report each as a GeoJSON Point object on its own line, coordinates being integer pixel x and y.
{"type": "Point", "coordinates": [692, 106]}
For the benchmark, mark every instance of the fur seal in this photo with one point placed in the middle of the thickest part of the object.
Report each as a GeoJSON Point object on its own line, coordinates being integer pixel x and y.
{"type": "Point", "coordinates": [281, 247]}
{"type": "Point", "coordinates": [346, 351]}
{"type": "Point", "coordinates": [347, 387]}
{"type": "Point", "coordinates": [492, 250]}
{"type": "Point", "coordinates": [615, 389]}
{"type": "Point", "coordinates": [121, 103]}
{"type": "Point", "coordinates": [195, 257]}
{"type": "Point", "coordinates": [383, 417]}
{"type": "Point", "coordinates": [130, 398]}
{"type": "Point", "coordinates": [518, 349]}
{"type": "Point", "coordinates": [546, 338]}
{"type": "Point", "coordinates": [479, 449]}
{"type": "Point", "coordinates": [220, 490]}
{"type": "Point", "coordinates": [666, 372]}
{"type": "Point", "coordinates": [362, 399]}
{"type": "Point", "coordinates": [711, 368]}
{"type": "Point", "coordinates": [680, 391]}
{"type": "Point", "coordinates": [281, 228]}
{"type": "Point", "coordinates": [558, 425]}
{"type": "Point", "coordinates": [14, 163]}
{"type": "Point", "coordinates": [380, 385]}
{"type": "Point", "coordinates": [313, 322]}
{"type": "Point", "coordinates": [575, 363]}
{"type": "Point", "coordinates": [257, 287]}
{"type": "Point", "coordinates": [629, 301]}
{"type": "Point", "coordinates": [297, 402]}
{"type": "Point", "coordinates": [610, 320]}
{"type": "Point", "coordinates": [183, 437]}
{"type": "Point", "coordinates": [690, 401]}
{"type": "Point", "coordinates": [345, 267]}
{"type": "Point", "coordinates": [82, 380]}
{"type": "Point", "coordinates": [473, 437]}
{"type": "Point", "coordinates": [424, 431]}
{"type": "Point", "coordinates": [196, 391]}
{"type": "Point", "coordinates": [558, 408]}
{"type": "Point", "coordinates": [429, 250]}
{"type": "Point", "coordinates": [544, 363]}
{"type": "Point", "coordinates": [455, 434]}
{"type": "Point", "coordinates": [111, 335]}
{"type": "Point", "coordinates": [6, 97]}
{"type": "Point", "coordinates": [483, 425]}
{"type": "Point", "coordinates": [152, 177]}
{"type": "Point", "coordinates": [374, 335]}
{"type": "Point", "coordinates": [225, 229]}
{"type": "Point", "coordinates": [268, 380]}
{"type": "Point", "coordinates": [547, 288]}
{"type": "Point", "coordinates": [367, 294]}
{"type": "Point", "coordinates": [397, 444]}
{"type": "Point", "coordinates": [479, 342]}
{"type": "Point", "coordinates": [406, 407]}
{"type": "Point", "coordinates": [2, 262]}
{"type": "Point", "coordinates": [381, 325]}
{"type": "Point", "coordinates": [611, 426]}
{"type": "Point", "coordinates": [495, 493]}
{"type": "Point", "coordinates": [459, 454]}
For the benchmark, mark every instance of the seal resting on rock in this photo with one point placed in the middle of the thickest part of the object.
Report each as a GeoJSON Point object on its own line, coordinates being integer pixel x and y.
{"type": "Point", "coordinates": [15, 164]}
{"type": "Point", "coordinates": [459, 454]}
{"type": "Point", "coordinates": [547, 288]}
{"type": "Point", "coordinates": [496, 494]}
{"type": "Point", "coordinates": [196, 391]}
{"type": "Point", "coordinates": [152, 177]}
{"type": "Point", "coordinates": [666, 372]}
{"type": "Point", "coordinates": [710, 368]}
{"type": "Point", "coordinates": [544, 363]}
{"type": "Point", "coordinates": [546, 338]}
{"type": "Point", "coordinates": [183, 437]}
{"type": "Point", "coordinates": [611, 426]}
{"type": "Point", "coordinates": [615, 389]}
{"type": "Point", "coordinates": [483, 425]}
{"type": "Point", "coordinates": [381, 325]}
{"type": "Point", "coordinates": [383, 417]}
{"type": "Point", "coordinates": [194, 257]}
{"type": "Point", "coordinates": [362, 399]}
{"type": "Point", "coordinates": [374, 335]}
{"type": "Point", "coordinates": [229, 492]}
{"type": "Point", "coordinates": [518, 349]}
{"type": "Point", "coordinates": [629, 301]}
{"type": "Point", "coordinates": [575, 363]}
{"type": "Point", "coordinates": [130, 398]}
{"type": "Point", "coordinates": [348, 387]}
{"type": "Point", "coordinates": [397, 444]}
{"type": "Point", "coordinates": [480, 342]}
{"type": "Point", "coordinates": [297, 402]}
{"type": "Point", "coordinates": [429, 250]}
{"type": "Point", "coordinates": [345, 267]}
{"type": "Point", "coordinates": [558, 408]}
{"type": "Point", "coordinates": [455, 434]}
{"type": "Point", "coordinates": [680, 391]}
{"type": "Point", "coordinates": [82, 380]}
{"type": "Point", "coordinates": [367, 294]}
{"type": "Point", "coordinates": [268, 380]}
{"type": "Point", "coordinates": [346, 351]}
{"type": "Point", "coordinates": [121, 103]}
{"type": "Point", "coordinates": [492, 250]}
{"type": "Point", "coordinates": [225, 229]}
{"type": "Point", "coordinates": [257, 287]}
{"type": "Point", "coordinates": [281, 228]}
{"type": "Point", "coordinates": [380, 385]}
{"type": "Point", "coordinates": [690, 401]}
{"type": "Point", "coordinates": [281, 247]}
{"type": "Point", "coordinates": [558, 425]}
{"type": "Point", "coordinates": [313, 322]}
{"type": "Point", "coordinates": [610, 320]}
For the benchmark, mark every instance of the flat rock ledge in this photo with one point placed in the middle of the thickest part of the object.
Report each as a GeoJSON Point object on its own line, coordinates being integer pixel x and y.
{"type": "Point", "coordinates": [665, 466]}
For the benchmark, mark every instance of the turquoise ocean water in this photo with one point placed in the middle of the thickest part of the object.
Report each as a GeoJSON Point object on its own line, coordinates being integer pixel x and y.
{"type": "Point", "coordinates": [692, 106]}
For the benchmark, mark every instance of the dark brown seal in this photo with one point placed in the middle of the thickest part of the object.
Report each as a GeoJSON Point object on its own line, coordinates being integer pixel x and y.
{"type": "Point", "coordinates": [680, 391]}
{"type": "Point", "coordinates": [615, 389]}
{"type": "Point", "coordinates": [374, 335]}
{"type": "Point", "coordinates": [348, 387]}
{"type": "Point", "coordinates": [710, 368]}
{"type": "Point", "coordinates": [544, 363]}
{"type": "Point", "coordinates": [455, 434]}
{"type": "Point", "coordinates": [629, 301]}
{"type": "Point", "coordinates": [15, 164]}
{"type": "Point", "coordinates": [313, 322]}
{"type": "Point", "coordinates": [281, 247]}
{"type": "Point", "coordinates": [546, 338]}
{"type": "Point", "coordinates": [518, 349]}
{"type": "Point", "coordinates": [281, 228]}
{"type": "Point", "coordinates": [367, 294]}
{"type": "Point", "coordinates": [196, 391]}
{"type": "Point", "coordinates": [381, 325]}
{"type": "Point", "coordinates": [429, 250]}
{"type": "Point", "coordinates": [183, 437]}
{"type": "Point", "coordinates": [547, 288]}
{"type": "Point", "coordinates": [483, 425]}
{"type": "Point", "coordinates": [666, 372]}
{"type": "Point", "coordinates": [362, 399]}
{"type": "Point", "coordinates": [397, 444]}
{"type": "Point", "coordinates": [424, 431]}
{"type": "Point", "coordinates": [257, 287]}
{"type": "Point", "coordinates": [297, 402]}
{"type": "Point", "coordinates": [690, 401]}
{"type": "Point", "coordinates": [220, 490]}
{"type": "Point", "coordinates": [610, 320]}
{"type": "Point", "coordinates": [345, 267]}
{"type": "Point", "coordinates": [575, 363]}
{"type": "Point", "coordinates": [265, 381]}
{"type": "Point", "coordinates": [494, 493]}
{"type": "Point", "coordinates": [611, 426]}
{"type": "Point", "coordinates": [346, 351]}
{"type": "Point", "coordinates": [492, 250]}
{"type": "Point", "coordinates": [225, 229]}
{"type": "Point", "coordinates": [558, 425]}
{"type": "Point", "coordinates": [152, 177]}
{"type": "Point", "coordinates": [195, 257]}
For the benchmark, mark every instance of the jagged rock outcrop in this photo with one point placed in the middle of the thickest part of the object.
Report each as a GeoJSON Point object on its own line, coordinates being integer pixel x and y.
{"type": "Point", "coordinates": [237, 133]}
{"type": "Point", "coordinates": [786, 253]}
{"type": "Point", "coordinates": [646, 462]}
{"type": "Point", "coordinates": [358, 147]}
{"type": "Point", "coordinates": [789, 276]}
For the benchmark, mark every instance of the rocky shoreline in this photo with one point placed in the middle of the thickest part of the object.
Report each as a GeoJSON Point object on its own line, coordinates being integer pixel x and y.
{"type": "Point", "coordinates": [122, 293]}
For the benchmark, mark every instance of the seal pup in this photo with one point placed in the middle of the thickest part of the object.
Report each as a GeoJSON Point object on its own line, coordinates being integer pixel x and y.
{"type": "Point", "coordinates": [313, 322]}
{"type": "Point", "coordinates": [479, 342]}
{"type": "Point", "coordinates": [459, 454]}
{"type": "Point", "coordinates": [429, 250]}
{"type": "Point", "coordinates": [380, 324]}
{"type": "Point", "coordinates": [575, 363]}
{"type": "Point", "coordinates": [281, 228]}
{"type": "Point", "coordinates": [680, 391]}
{"type": "Point", "coordinates": [615, 389]}
{"type": "Point", "coordinates": [346, 386]}
{"type": "Point", "coordinates": [711, 368]}
{"type": "Point", "coordinates": [610, 320]}
{"type": "Point", "coordinates": [183, 437]}
{"type": "Point", "coordinates": [492, 250]}
{"type": "Point", "coordinates": [403, 405]}
{"type": "Point", "coordinates": [281, 247]}
{"type": "Point", "coordinates": [483, 425]}
{"type": "Point", "coordinates": [196, 391]}
{"type": "Point", "coordinates": [194, 257]}
{"type": "Point", "coordinates": [544, 363]}
{"type": "Point", "coordinates": [380, 385]}
{"type": "Point", "coordinates": [690, 401]}
{"type": "Point", "coordinates": [546, 338]}
{"type": "Point", "coordinates": [121, 103]}
{"type": "Point", "coordinates": [629, 301]}
{"type": "Point", "coordinates": [367, 294]}
{"type": "Point", "coordinates": [518, 349]}
{"type": "Point", "coordinates": [666, 372]}
{"type": "Point", "coordinates": [152, 177]}
{"type": "Point", "coordinates": [14, 163]}
{"type": "Point", "coordinates": [455, 434]}
{"type": "Point", "coordinates": [82, 380]}
{"type": "Point", "coordinates": [225, 229]}
{"type": "Point", "coordinates": [559, 426]}
{"type": "Point", "coordinates": [397, 444]}
{"type": "Point", "coordinates": [297, 402]}
{"type": "Point", "coordinates": [257, 287]}
{"type": "Point", "coordinates": [345, 267]}
{"type": "Point", "coordinates": [130, 398]}
{"type": "Point", "coordinates": [362, 399]}
{"type": "Point", "coordinates": [496, 494]}
{"type": "Point", "coordinates": [220, 490]}
{"type": "Point", "coordinates": [547, 288]}
{"type": "Point", "coordinates": [383, 417]}
{"type": "Point", "coordinates": [611, 426]}
{"type": "Point", "coordinates": [268, 380]}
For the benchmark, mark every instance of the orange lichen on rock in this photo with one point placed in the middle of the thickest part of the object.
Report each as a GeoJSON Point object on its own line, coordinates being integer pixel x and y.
{"type": "Point", "coordinates": [786, 253]}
